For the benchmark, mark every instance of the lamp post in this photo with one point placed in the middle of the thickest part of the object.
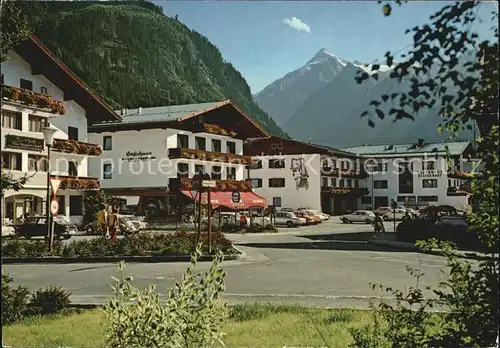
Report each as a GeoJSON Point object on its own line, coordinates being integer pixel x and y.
{"type": "Point", "coordinates": [48, 134]}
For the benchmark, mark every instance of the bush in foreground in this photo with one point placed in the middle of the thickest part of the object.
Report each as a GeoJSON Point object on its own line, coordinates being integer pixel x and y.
{"type": "Point", "coordinates": [142, 244]}
{"type": "Point", "coordinates": [191, 317]}
{"type": "Point", "coordinates": [14, 301]}
{"type": "Point", "coordinates": [50, 300]}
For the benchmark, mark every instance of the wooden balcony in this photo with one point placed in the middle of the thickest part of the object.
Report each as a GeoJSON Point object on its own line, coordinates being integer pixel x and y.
{"type": "Point", "coordinates": [76, 147]}
{"type": "Point", "coordinates": [345, 173]}
{"type": "Point", "coordinates": [208, 156]}
{"type": "Point", "coordinates": [30, 98]}
{"type": "Point", "coordinates": [460, 175]}
{"type": "Point", "coordinates": [214, 129]}
{"type": "Point", "coordinates": [77, 183]}
{"type": "Point", "coordinates": [177, 184]}
{"type": "Point", "coordinates": [355, 191]}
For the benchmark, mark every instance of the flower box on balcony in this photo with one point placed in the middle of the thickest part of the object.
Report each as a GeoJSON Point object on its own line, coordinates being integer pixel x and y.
{"type": "Point", "coordinates": [216, 129]}
{"type": "Point", "coordinates": [75, 183]}
{"type": "Point", "coordinates": [27, 97]}
{"type": "Point", "coordinates": [76, 147]}
{"type": "Point", "coordinates": [208, 156]}
{"type": "Point", "coordinates": [221, 185]}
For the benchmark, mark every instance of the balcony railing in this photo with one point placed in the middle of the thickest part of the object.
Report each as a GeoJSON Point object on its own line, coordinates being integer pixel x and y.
{"type": "Point", "coordinates": [27, 97]}
{"type": "Point", "coordinates": [434, 173]}
{"type": "Point", "coordinates": [208, 156]}
{"type": "Point", "coordinates": [221, 185]}
{"type": "Point", "coordinates": [460, 175]}
{"type": "Point", "coordinates": [214, 129]}
{"type": "Point", "coordinates": [76, 147]}
{"type": "Point", "coordinates": [77, 183]}
{"type": "Point", "coordinates": [329, 171]}
{"type": "Point", "coordinates": [357, 191]}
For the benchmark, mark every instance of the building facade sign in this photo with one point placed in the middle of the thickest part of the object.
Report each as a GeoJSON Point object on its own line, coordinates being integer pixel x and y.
{"type": "Point", "coordinates": [132, 156]}
{"type": "Point", "coordinates": [23, 143]}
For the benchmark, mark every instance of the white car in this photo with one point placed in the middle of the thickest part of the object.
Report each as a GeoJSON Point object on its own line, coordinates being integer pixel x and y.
{"type": "Point", "coordinates": [396, 214]}
{"type": "Point", "coordinates": [323, 216]}
{"type": "Point", "coordinates": [137, 221]}
{"type": "Point", "coordinates": [365, 216]}
{"type": "Point", "coordinates": [382, 210]}
{"type": "Point", "coordinates": [229, 218]}
{"type": "Point", "coordinates": [289, 219]}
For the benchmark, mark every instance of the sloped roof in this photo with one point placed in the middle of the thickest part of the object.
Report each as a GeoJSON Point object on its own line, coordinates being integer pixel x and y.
{"type": "Point", "coordinates": [454, 148]}
{"type": "Point", "coordinates": [168, 113]}
{"type": "Point", "coordinates": [43, 61]}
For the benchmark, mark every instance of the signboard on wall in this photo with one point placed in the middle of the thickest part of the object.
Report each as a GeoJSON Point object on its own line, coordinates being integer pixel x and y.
{"type": "Point", "coordinates": [132, 156]}
{"type": "Point", "coordinates": [23, 143]}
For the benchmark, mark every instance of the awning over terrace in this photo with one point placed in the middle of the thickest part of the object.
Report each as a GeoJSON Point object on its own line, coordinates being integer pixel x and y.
{"type": "Point", "coordinates": [247, 199]}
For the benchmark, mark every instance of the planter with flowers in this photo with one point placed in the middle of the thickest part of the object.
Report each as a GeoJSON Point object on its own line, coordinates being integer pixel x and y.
{"type": "Point", "coordinates": [27, 97]}
{"type": "Point", "coordinates": [76, 147]}
{"type": "Point", "coordinates": [74, 183]}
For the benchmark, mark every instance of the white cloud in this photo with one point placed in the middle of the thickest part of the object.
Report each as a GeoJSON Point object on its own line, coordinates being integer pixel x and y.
{"type": "Point", "coordinates": [297, 24]}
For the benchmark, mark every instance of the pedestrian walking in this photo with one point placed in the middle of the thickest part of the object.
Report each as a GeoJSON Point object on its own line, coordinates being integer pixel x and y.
{"type": "Point", "coordinates": [378, 225]}
{"type": "Point", "coordinates": [113, 224]}
{"type": "Point", "coordinates": [102, 226]}
{"type": "Point", "coordinates": [243, 223]}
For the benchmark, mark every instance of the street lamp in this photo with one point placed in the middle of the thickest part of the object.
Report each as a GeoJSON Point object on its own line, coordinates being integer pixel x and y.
{"type": "Point", "coordinates": [48, 134]}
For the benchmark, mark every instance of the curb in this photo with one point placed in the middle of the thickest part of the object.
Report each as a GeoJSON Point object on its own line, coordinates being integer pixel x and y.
{"type": "Point", "coordinates": [104, 259]}
{"type": "Point", "coordinates": [438, 252]}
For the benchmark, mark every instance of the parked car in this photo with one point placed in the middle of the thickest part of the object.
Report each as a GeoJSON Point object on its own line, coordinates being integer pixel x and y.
{"type": "Point", "coordinates": [303, 208]}
{"type": "Point", "coordinates": [8, 231]}
{"type": "Point", "coordinates": [229, 218]}
{"type": "Point", "coordinates": [323, 216]}
{"type": "Point", "coordinates": [287, 209]}
{"type": "Point", "coordinates": [396, 214]}
{"type": "Point", "coordinates": [138, 222]}
{"type": "Point", "coordinates": [36, 226]}
{"type": "Point", "coordinates": [125, 226]}
{"type": "Point", "coordinates": [382, 210]}
{"type": "Point", "coordinates": [289, 219]}
{"type": "Point", "coordinates": [365, 216]}
{"type": "Point", "coordinates": [310, 217]}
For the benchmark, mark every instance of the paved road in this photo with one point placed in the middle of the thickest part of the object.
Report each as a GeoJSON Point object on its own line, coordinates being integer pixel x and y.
{"type": "Point", "coordinates": [303, 266]}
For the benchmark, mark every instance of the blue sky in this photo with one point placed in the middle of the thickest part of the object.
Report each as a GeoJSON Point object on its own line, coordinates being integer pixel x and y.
{"type": "Point", "coordinates": [254, 37]}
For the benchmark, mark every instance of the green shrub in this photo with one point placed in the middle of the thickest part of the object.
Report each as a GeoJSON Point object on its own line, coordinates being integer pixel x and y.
{"type": "Point", "coordinates": [50, 300]}
{"type": "Point", "coordinates": [14, 301]}
{"type": "Point", "coordinates": [191, 317]}
{"type": "Point", "coordinates": [17, 247]}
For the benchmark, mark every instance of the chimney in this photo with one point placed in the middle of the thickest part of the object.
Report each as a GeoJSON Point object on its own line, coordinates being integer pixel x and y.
{"type": "Point", "coordinates": [139, 110]}
{"type": "Point", "coordinates": [420, 142]}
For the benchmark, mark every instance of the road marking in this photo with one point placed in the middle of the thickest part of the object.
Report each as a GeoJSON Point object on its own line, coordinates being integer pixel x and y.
{"type": "Point", "coordinates": [157, 278]}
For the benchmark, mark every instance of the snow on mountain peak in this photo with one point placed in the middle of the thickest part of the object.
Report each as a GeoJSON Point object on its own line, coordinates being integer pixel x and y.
{"type": "Point", "coordinates": [323, 55]}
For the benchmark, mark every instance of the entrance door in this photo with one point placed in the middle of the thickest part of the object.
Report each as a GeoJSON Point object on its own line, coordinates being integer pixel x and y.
{"type": "Point", "coordinates": [381, 202]}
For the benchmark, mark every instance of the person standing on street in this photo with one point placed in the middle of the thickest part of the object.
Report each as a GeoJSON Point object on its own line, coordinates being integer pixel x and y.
{"type": "Point", "coordinates": [113, 224]}
{"type": "Point", "coordinates": [102, 226]}
{"type": "Point", "coordinates": [243, 223]}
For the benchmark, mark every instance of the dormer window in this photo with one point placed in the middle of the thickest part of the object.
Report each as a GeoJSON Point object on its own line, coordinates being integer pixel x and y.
{"type": "Point", "coordinates": [43, 90]}
{"type": "Point", "coordinates": [26, 84]}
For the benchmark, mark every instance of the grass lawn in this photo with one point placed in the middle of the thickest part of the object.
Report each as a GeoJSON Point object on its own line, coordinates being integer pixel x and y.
{"type": "Point", "coordinates": [249, 326]}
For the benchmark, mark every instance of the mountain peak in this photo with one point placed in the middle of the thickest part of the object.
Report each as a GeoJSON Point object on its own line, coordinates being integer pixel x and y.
{"type": "Point", "coordinates": [324, 54]}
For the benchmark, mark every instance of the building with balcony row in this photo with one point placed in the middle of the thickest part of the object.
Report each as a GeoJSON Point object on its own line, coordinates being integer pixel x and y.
{"type": "Point", "coordinates": [38, 90]}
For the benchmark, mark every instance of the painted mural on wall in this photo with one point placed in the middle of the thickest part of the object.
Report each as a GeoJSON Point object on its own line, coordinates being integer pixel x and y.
{"type": "Point", "coordinates": [300, 174]}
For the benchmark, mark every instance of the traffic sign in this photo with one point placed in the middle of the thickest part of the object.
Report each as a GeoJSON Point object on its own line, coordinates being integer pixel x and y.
{"type": "Point", "coordinates": [236, 196]}
{"type": "Point", "coordinates": [54, 183]}
{"type": "Point", "coordinates": [54, 207]}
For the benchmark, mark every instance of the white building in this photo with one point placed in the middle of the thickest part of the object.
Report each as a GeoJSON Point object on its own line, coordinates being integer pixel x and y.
{"type": "Point", "coordinates": [416, 174]}
{"type": "Point", "coordinates": [153, 152]}
{"type": "Point", "coordinates": [294, 174]}
{"type": "Point", "coordinates": [37, 90]}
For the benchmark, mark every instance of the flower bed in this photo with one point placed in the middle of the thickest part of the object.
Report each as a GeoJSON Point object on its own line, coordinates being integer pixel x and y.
{"type": "Point", "coordinates": [28, 97]}
{"type": "Point", "coordinates": [143, 244]}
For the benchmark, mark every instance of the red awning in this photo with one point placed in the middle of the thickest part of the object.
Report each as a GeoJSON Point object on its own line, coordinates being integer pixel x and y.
{"type": "Point", "coordinates": [247, 199]}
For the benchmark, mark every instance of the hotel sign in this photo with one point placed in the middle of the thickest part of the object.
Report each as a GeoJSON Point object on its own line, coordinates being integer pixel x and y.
{"type": "Point", "coordinates": [23, 143]}
{"type": "Point", "coordinates": [132, 156]}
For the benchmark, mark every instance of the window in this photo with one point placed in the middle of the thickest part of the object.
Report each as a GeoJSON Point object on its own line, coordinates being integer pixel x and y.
{"type": "Point", "coordinates": [449, 183]}
{"type": "Point", "coordinates": [276, 182]}
{"type": "Point", "coordinates": [429, 165]}
{"type": "Point", "coordinates": [73, 133]}
{"type": "Point", "coordinates": [256, 183]}
{"type": "Point", "coordinates": [429, 183]}
{"type": "Point", "coordinates": [36, 123]}
{"type": "Point", "coordinates": [333, 182]}
{"type": "Point", "coordinates": [12, 161]}
{"type": "Point", "coordinates": [107, 143]}
{"type": "Point", "coordinates": [231, 147]}
{"type": "Point", "coordinates": [380, 184]}
{"type": "Point", "coordinates": [199, 168]}
{"type": "Point", "coordinates": [277, 201]}
{"type": "Point", "coordinates": [72, 168]}
{"type": "Point", "coordinates": [182, 170]}
{"type": "Point", "coordinates": [231, 173]}
{"type": "Point", "coordinates": [380, 167]}
{"type": "Point", "coordinates": [407, 200]}
{"type": "Point", "coordinates": [216, 173]}
{"type": "Point", "coordinates": [27, 84]}
{"type": "Point", "coordinates": [366, 200]}
{"type": "Point", "coordinates": [2, 79]}
{"type": "Point", "coordinates": [405, 184]}
{"type": "Point", "coordinates": [216, 145]}
{"type": "Point", "coordinates": [106, 171]}
{"type": "Point", "coordinates": [200, 143]}
{"type": "Point", "coordinates": [349, 182]}
{"type": "Point", "coordinates": [183, 141]}
{"type": "Point", "coordinates": [75, 205]}
{"type": "Point", "coordinates": [356, 183]}
{"type": "Point", "coordinates": [12, 120]}
{"type": "Point", "coordinates": [37, 163]}
{"type": "Point", "coordinates": [256, 165]}
{"type": "Point", "coordinates": [276, 163]}
{"type": "Point", "coordinates": [276, 146]}
{"type": "Point", "coordinates": [341, 183]}
{"type": "Point", "coordinates": [43, 90]}
{"type": "Point", "coordinates": [427, 198]}
{"type": "Point", "coordinates": [62, 205]}
{"type": "Point", "coordinates": [324, 182]}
